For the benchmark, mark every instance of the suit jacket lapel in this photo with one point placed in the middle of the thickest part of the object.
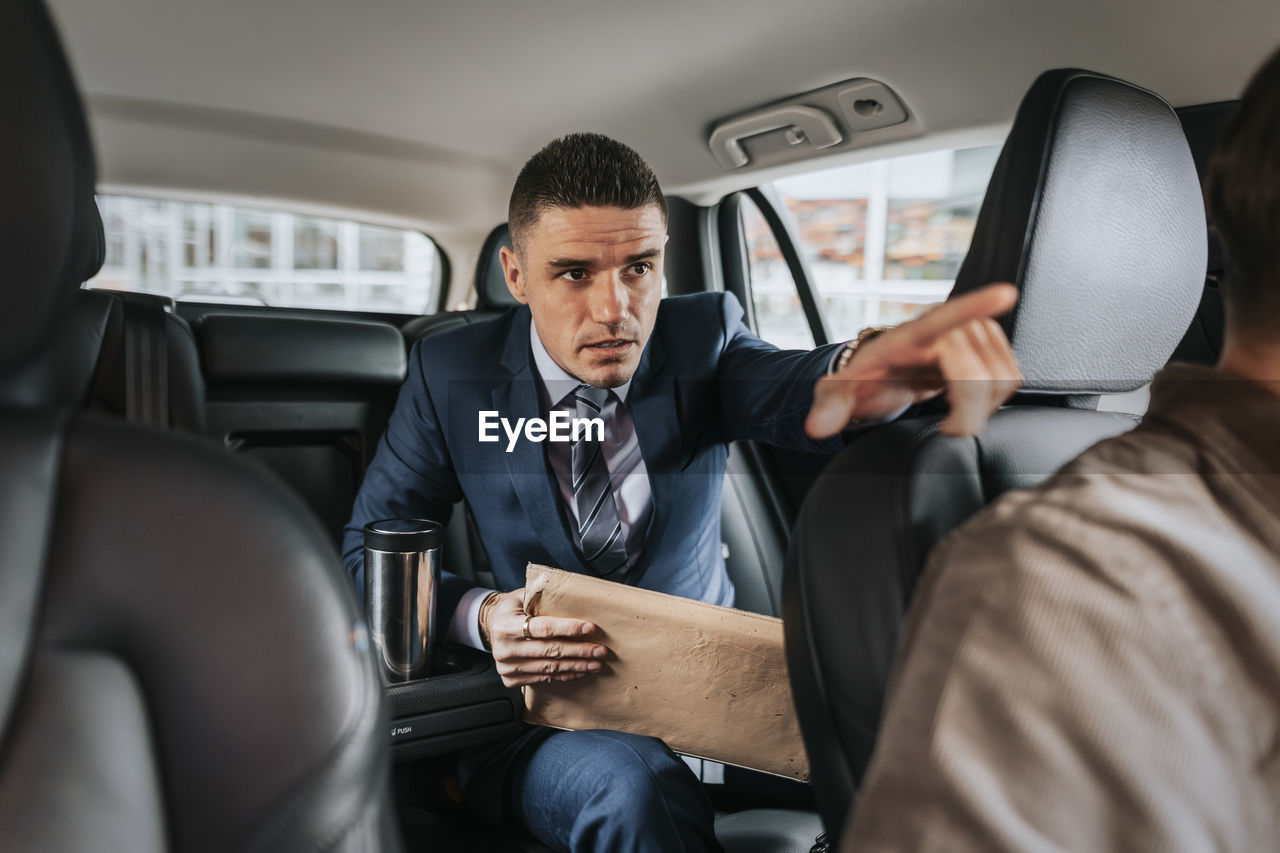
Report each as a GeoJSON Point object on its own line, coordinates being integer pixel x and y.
{"type": "Point", "coordinates": [654, 413]}
{"type": "Point", "coordinates": [531, 475]}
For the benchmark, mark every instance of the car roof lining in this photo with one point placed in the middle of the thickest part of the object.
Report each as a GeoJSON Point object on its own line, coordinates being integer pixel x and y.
{"type": "Point", "coordinates": [479, 86]}
{"type": "Point", "coordinates": [423, 113]}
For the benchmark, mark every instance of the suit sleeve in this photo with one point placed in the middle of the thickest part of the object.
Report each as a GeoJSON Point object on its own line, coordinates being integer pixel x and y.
{"type": "Point", "coordinates": [766, 392]}
{"type": "Point", "coordinates": [411, 476]}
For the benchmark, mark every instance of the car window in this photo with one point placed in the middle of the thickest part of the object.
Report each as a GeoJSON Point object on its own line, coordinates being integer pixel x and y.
{"type": "Point", "coordinates": [780, 320]}
{"type": "Point", "coordinates": [883, 240]}
{"type": "Point", "coordinates": [221, 252]}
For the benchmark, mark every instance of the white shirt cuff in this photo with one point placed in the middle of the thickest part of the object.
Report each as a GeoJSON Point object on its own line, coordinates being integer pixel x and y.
{"type": "Point", "coordinates": [831, 362]}
{"type": "Point", "coordinates": [464, 628]}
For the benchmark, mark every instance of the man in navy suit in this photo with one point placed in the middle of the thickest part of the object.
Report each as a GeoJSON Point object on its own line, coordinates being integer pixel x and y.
{"type": "Point", "coordinates": [487, 413]}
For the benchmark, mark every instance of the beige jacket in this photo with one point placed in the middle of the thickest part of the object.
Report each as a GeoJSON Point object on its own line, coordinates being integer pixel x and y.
{"type": "Point", "coordinates": [1094, 665]}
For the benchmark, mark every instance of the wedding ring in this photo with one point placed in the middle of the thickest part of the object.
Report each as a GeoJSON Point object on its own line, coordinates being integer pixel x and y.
{"type": "Point", "coordinates": [527, 635]}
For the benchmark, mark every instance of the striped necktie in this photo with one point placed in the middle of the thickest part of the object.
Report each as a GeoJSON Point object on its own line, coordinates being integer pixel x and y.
{"type": "Point", "coordinates": [599, 530]}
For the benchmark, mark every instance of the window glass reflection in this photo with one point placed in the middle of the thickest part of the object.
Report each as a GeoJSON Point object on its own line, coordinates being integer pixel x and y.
{"type": "Point", "coordinates": [780, 318]}
{"type": "Point", "coordinates": [217, 252]}
{"type": "Point", "coordinates": [884, 240]}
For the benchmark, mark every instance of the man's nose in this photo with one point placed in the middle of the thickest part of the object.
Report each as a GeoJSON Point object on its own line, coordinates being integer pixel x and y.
{"type": "Point", "coordinates": [609, 300]}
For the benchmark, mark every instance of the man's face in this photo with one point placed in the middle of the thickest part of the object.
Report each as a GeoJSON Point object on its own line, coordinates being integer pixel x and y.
{"type": "Point", "coordinates": [592, 278]}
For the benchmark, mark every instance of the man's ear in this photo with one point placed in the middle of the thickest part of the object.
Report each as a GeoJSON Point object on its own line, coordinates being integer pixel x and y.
{"type": "Point", "coordinates": [513, 274]}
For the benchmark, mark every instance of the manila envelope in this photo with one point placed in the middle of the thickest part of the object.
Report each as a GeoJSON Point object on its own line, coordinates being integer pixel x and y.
{"type": "Point", "coordinates": [710, 681]}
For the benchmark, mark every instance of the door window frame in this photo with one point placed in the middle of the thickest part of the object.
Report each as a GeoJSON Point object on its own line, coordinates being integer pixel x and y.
{"type": "Point", "coordinates": [737, 267]}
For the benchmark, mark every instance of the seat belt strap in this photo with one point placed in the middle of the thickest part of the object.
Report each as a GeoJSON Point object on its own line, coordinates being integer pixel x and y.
{"type": "Point", "coordinates": [146, 364]}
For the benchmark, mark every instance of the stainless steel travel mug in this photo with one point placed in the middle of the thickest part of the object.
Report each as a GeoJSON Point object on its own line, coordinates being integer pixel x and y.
{"type": "Point", "coordinates": [401, 575]}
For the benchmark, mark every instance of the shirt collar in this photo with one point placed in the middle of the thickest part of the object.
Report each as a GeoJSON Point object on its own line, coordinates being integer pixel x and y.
{"type": "Point", "coordinates": [557, 382]}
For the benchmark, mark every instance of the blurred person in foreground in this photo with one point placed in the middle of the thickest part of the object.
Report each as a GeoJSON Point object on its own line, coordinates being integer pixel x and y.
{"type": "Point", "coordinates": [1095, 664]}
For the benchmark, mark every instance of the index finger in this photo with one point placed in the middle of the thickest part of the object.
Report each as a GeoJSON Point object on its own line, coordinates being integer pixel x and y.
{"type": "Point", "coordinates": [546, 627]}
{"type": "Point", "coordinates": [991, 301]}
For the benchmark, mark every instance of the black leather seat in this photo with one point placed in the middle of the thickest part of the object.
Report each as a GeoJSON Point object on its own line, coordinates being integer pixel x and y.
{"type": "Point", "coordinates": [492, 296]}
{"type": "Point", "coordinates": [307, 396]}
{"type": "Point", "coordinates": [125, 354]}
{"type": "Point", "coordinates": [181, 666]}
{"type": "Point", "coordinates": [148, 366]}
{"type": "Point", "coordinates": [1094, 212]}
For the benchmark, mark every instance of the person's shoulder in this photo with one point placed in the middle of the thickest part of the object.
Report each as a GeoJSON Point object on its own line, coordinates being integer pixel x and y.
{"type": "Point", "coordinates": [694, 329]}
{"type": "Point", "coordinates": [696, 307]}
{"type": "Point", "coordinates": [702, 320]}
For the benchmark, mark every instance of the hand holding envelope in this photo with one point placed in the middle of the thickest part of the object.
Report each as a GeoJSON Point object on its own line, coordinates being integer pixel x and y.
{"type": "Point", "coordinates": [710, 681]}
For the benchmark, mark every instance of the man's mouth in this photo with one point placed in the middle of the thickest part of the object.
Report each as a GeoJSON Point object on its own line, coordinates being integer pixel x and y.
{"type": "Point", "coordinates": [610, 347]}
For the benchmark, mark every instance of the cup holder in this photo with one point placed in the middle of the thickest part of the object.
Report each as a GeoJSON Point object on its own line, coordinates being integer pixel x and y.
{"type": "Point", "coordinates": [451, 661]}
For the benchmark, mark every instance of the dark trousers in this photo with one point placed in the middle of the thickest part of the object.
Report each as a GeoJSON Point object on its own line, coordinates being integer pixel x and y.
{"type": "Point", "coordinates": [592, 791]}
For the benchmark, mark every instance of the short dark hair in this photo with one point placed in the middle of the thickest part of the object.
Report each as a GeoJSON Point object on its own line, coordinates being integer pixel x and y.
{"type": "Point", "coordinates": [1242, 195]}
{"type": "Point", "coordinates": [580, 170]}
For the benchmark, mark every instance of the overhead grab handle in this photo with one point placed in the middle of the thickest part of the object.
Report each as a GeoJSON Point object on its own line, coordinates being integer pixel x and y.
{"type": "Point", "coordinates": [800, 122]}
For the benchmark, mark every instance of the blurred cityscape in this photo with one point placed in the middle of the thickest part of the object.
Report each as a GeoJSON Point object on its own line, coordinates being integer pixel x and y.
{"type": "Point", "coordinates": [250, 256]}
{"type": "Point", "coordinates": [882, 241]}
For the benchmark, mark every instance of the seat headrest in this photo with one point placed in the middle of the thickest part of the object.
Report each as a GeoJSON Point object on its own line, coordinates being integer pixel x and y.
{"type": "Point", "coordinates": [1094, 212]}
{"type": "Point", "coordinates": [491, 284]}
{"type": "Point", "coordinates": [46, 181]}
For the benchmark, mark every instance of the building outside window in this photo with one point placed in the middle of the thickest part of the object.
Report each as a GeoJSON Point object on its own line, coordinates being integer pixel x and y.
{"type": "Point", "coordinates": [217, 252]}
{"type": "Point", "coordinates": [882, 240]}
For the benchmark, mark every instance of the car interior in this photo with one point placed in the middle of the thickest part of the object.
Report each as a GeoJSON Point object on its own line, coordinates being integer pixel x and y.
{"type": "Point", "coordinates": [228, 224]}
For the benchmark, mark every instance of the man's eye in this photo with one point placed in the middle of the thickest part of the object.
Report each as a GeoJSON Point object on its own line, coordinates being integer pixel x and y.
{"type": "Point", "coordinates": [574, 275]}
{"type": "Point", "coordinates": [641, 268]}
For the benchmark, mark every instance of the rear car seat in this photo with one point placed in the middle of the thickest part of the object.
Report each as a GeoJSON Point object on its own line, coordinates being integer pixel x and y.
{"type": "Point", "coordinates": [125, 354]}
{"type": "Point", "coordinates": [1094, 212]}
{"type": "Point", "coordinates": [492, 296]}
{"type": "Point", "coordinates": [307, 396]}
{"type": "Point", "coordinates": [148, 368]}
